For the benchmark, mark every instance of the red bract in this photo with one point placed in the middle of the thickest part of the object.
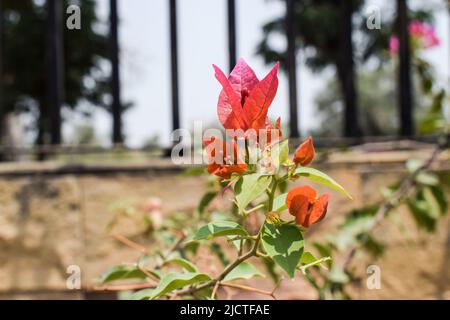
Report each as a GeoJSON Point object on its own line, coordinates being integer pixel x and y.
{"type": "Point", "coordinates": [223, 158]}
{"type": "Point", "coordinates": [244, 100]}
{"type": "Point", "coordinates": [304, 205]}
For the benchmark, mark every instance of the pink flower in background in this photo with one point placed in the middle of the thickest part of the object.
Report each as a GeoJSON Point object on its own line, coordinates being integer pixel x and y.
{"type": "Point", "coordinates": [152, 208]}
{"type": "Point", "coordinates": [394, 44]}
{"type": "Point", "coordinates": [423, 36]}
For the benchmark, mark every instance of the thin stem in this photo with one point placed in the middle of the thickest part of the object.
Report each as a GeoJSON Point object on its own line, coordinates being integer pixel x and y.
{"type": "Point", "coordinates": [314, 263]}
{"type": "Point", "coordinates": [260, 206]}
{"type": "Point", "coordinates": [124, 287]}
{"type": "Point", "coordinates": [247, 288]}
{"type": "Point", "coordinates": [241, 258]}
{"type": "Point", "coordinates": [129, 243]}
{"type": "Point", "coordinates": [272, 194]}
{"type": "Point", "coordinates": [216, 286]}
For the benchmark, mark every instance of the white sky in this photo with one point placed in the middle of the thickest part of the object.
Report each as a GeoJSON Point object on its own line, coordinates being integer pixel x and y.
{"type": "Point", "coordinates": [145, 62]}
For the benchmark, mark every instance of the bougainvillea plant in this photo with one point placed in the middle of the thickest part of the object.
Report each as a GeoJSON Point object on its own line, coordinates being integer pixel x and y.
{"type": "Point", "coordinates": [253, 165]}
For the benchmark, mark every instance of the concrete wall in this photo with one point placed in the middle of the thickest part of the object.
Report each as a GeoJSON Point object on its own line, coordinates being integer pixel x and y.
{"type": "Point", "coordinates": [53, 216]}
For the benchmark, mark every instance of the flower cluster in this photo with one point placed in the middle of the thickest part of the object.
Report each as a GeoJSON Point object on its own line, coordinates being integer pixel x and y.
{"type": "Point", "coordinates": [242, 109]}
{"type": "Point", "coordinates": [423, 36]}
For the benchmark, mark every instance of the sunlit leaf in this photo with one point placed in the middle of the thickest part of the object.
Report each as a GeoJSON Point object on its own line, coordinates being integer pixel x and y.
{"type": "Point", "coordinates": [243, 271]}
{"type": "Point", "coordinates": [187, 265]}
{"type": "Point", "coordinates": [320, 177]}
{"type": "Point", "coordinates": [144, 294]}
{"type": "Point", "coordinates": [218, 229]}
{"type": "Point", "coordinates": [174, 281]}
{"type": "Point", "coordinates": [279, 203]}
{"type": "Point", "coordinates": [280, 153]}
{"type": "Point", "coordinates": [122, 272]}
{"type": "Point", "coordinates": [249, 187]}
{"type": "Point", "coordinates": [427, 178]}
{"type": "Point", "coordinates": [308, 260]}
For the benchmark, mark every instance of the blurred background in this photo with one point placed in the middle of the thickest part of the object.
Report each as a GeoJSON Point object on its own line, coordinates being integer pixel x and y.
{"type": "Point", "coordinates": [90, 91]}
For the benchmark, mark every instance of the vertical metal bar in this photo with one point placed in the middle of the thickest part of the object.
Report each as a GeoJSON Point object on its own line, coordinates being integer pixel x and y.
{"type": "Point", "coordinates": [404, 77]}
{"type": "Point", "coordinates": [174, 64]}
{"type": "Point", "coordinates": [56, 68]}
{"type": "Point", "coordinates": [117, 136]}
{"type": "Point", "coordinates": [351, 121]}
{"type": "Point", "coordinates": [291, 68]}
{"type": "Point", "coordinates": [1, 76]}
{"type": "Point", "coordinates": [231, 34]}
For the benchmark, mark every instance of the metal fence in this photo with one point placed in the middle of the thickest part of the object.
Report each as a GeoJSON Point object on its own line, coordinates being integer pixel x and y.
{"type": "Point", "coordinates": [56, 69]}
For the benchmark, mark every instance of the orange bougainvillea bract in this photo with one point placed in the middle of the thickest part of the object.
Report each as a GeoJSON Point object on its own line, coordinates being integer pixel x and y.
{"type": "Point", "coordinates": [228, 163]}
{"type": "Point", "coordinates": [304, 153]}
{"type": "Point", "coordinates": [304, 205]}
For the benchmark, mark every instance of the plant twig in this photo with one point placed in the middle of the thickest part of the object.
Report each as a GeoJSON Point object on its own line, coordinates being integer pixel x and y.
{"type": "Point", "coordinates": [129, 243]}
{"type": "Point", "coordinates": [216, 286]}
{"type": "Point", "coordinates": [405, 187]}
{"type": "Point", "coordinates": [124, 287]}
{"type": "Point", "coordinates": [247, 288]}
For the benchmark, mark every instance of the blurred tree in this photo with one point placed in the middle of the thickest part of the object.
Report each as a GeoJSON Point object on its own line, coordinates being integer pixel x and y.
{"type": "Point", "coordinates": [84, 135]}
{"type": "Point", "coordinates": [25, 75]}
{"type": "Point", "coordinates": [378, 113]}
{"type": "Point", "coordinates": [321, 33]}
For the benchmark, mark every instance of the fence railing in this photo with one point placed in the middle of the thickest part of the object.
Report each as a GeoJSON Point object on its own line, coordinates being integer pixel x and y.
{"type": "Point", "coordinates": [56, 67]}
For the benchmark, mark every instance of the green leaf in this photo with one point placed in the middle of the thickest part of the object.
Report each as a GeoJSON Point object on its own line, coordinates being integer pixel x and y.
{"type": "Point", "coordinates": [144, 294]}
{"type": "Point", "coordinates": [427, 179]}
{"type": "Point", "coordinates": [187, 265]}
{"type": "Point", "coordinates": [420, 212]}
{"type": "Point", "coordinates": [280, 153]}
{"type": "Point", "coordinates": [324, 250]}
{"type": "Point", "coordinates": [307, 257]}
{"type": "Point", "coordinates": [271, 269]}
{"type": "Point", "coordinates": [174, 281]}
{"type": "Point", "coordinates": [218, 229]}
{"type": "Point", "coordinates": [243, 271]}
{"type": "Point", "coordinates": [441, 198]}
{"type": "Point", "coordinates": [279, 203]}
{"type": "Point", "coordinates": [249, 187]}
{"type": "Point", "coordinates": [122, 272]}
{"type": "Point", "coordinates": [320, 177]}
{"type": "Point", "coordinates": [206, 200]}
{"type": "Point", "coordinates": [284, 244]}
{"type": "Point", "coordinates": [308, 260]}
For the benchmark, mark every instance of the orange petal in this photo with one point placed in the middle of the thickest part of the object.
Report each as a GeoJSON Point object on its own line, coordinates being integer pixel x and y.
{"type": "Point", "coordinates": [319, 209]}
{"type": "Point", "coordinates": [225, 171]}
{"type": "Point", "coordinates": [304, 153]}
{"type": "Point", "coordinates": [299, 199]}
